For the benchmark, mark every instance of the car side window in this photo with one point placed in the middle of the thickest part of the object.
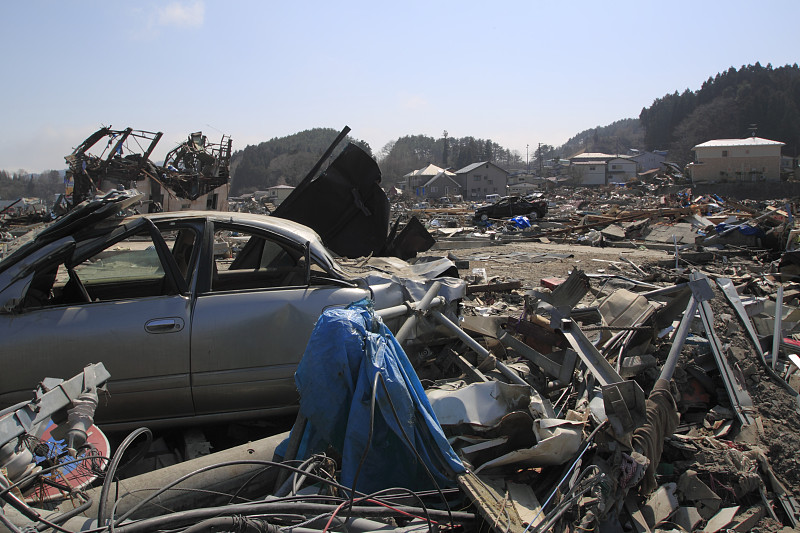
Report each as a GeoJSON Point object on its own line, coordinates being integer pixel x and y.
{"type": "Point", "coordinates": [249, 260]}
{"type": "Point", "coordinates": [182, 242]}
{"type": "Point", "coordinates": [128, 268]}
{"type": "Point", "coordinates": [131, 259]}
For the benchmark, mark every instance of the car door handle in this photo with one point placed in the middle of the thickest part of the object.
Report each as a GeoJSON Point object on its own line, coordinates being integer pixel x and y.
{"type": "Point", "coordinates": [164, 325]}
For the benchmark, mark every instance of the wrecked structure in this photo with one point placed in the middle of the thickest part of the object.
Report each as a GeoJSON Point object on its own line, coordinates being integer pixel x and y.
{"type": "Point", "coordinates": [195, 174]}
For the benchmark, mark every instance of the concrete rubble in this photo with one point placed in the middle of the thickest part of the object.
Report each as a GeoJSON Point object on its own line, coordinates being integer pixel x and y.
{"type": "Point", "coordinates": [658, 396]}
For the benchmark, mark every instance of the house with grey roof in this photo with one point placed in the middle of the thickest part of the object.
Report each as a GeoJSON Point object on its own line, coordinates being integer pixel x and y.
{"type": "Point", "coordinates": [646, 160]}
{"type": "Point", "coordinates": [480, 179]}
{"type": "Point", "coordinates": [432, 182]}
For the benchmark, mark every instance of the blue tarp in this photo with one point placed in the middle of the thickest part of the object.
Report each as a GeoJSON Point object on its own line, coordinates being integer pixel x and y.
{"type": "Point", "coordinates": [744, 229]}
{"type": "Point", "coordinates": [348, 347]}
{"type": "Point", "coordinates": [521, 222]}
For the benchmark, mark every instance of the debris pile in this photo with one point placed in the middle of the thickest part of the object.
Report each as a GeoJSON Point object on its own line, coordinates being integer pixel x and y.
{"type": "Point", "coordinates": [580, 405]}
{"type": "Point", "coordinates": [611, 217]}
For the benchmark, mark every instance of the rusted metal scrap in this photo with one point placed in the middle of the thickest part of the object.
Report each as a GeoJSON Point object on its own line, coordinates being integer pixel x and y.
{"type": "Point", "coordinates": [197, 166]}
{"type": "Point", "coordinates": [193, 168]}
{"type": "Point", "coordinates": [89, 171]}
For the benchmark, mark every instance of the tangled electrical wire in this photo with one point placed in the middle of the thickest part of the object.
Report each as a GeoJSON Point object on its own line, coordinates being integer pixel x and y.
{"type": "Point", "coordinates": [57, 468]}
{"type": "Point", "coordinates": [287, 509]}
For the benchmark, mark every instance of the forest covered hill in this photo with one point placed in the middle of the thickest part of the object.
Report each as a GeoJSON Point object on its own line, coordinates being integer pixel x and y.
{"type": "Point", "coordinates": [733, 104]}
{"type": "Point", "coordinates": [286, 160]}
{"type": "Point", "coordinates": [281, 160]}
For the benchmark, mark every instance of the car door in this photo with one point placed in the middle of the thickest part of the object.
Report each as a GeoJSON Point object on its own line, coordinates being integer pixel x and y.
{"type": "Point", "coordinates": [115, 299]}
{"type": "Point", "coordinates": [252, 323]}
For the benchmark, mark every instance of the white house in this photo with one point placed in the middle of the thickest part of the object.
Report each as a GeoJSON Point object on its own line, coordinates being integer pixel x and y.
{"type": "Point", "coordinates": [590, 172]}
{"type": "Point", "coordinates": [620, 169]}
{"type": "Point", "coordinates": [596, 168]}
{"type": "Point", "coordinates": [648, 160]}
{"type": "Point", "coordinates": [743, 160]}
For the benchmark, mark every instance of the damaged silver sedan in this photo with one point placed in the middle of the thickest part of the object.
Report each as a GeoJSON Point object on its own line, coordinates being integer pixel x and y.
{"type": "Point", "coordinates": [199, 316]}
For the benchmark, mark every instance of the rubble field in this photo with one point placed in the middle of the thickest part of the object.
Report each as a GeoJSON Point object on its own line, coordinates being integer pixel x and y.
{"type": "Point", "coordinates": [705, 445]}
{"type": "Point", "coordinates": [627, 360]}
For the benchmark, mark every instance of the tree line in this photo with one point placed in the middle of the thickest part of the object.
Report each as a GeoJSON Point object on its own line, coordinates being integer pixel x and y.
{"type": "Point", "coordinates": [733, 104]}
{"type": "Point", "coordinates": [22, 184]}
{"type": "Point", "coordinates": [412, 152]}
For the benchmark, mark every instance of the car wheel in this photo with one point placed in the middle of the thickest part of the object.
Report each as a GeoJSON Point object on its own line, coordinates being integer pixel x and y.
{"type": "Point", "coordinates": [533, 215]}
{"type": "Point", "coordinates": [484, 217]}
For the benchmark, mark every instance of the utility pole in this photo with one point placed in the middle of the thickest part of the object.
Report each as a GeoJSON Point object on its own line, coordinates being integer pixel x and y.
{"type": "Point", "coordinates": [527, 161]}
{"type": "Point", "coordinates": [541, 161]}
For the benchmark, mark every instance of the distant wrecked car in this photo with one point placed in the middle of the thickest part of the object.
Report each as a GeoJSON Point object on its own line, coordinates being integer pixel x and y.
{"type": "Point", "coordinates": [197, 315]}
{"type": "Point", "coordinates": [511, 206]}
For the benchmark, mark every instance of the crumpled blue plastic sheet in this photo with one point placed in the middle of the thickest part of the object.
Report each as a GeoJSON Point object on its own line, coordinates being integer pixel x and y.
{"type": "Point", "coordinates": [744, 229]}
{"type": "Point", "coordinates": [348, 347]}
{"type": "Point", "coordinates": [521, 222]}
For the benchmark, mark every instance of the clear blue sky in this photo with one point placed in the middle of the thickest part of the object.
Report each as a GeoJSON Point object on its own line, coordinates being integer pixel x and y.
{"type": "Point", "coordinates": [517, 72]}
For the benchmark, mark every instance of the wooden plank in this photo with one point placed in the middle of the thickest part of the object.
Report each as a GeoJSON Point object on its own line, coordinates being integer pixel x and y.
{"type": "Point", "coordinates": [494, 287]}
{"type": "Point", "coordinates": [501, 516]}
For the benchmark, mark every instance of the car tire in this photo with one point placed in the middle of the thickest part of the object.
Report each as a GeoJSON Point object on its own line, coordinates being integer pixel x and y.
{"type": "Point", "coordinates": [484, 217]}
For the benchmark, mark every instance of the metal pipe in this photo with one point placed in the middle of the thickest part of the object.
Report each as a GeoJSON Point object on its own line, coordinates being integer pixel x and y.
{"type": "Point", "coordinates": [475, 345]}
{"type": "Point", "coordinates": [678, 340]}
{"type": "Point", "coordinates": [777, 332]}
{"type": "Point", "coordinates": [421, 307]}
{"type": "Point", "coordinates": [392, 312]}
{"type": "Point", "coordinates": [406, 308]}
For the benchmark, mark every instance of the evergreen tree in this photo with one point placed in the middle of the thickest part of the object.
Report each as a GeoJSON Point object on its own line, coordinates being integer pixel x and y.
{"type": "Point", "coordinates": [724, 107]}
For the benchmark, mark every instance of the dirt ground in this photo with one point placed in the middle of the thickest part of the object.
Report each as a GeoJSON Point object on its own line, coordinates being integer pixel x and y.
{"type": "Point", "coordinates": [529, 262]}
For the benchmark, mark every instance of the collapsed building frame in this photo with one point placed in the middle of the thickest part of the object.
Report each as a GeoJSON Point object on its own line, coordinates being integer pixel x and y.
{"type": "Point", "coordinates": [190, 177]}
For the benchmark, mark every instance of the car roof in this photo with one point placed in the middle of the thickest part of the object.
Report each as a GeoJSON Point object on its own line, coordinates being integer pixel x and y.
{"type": "Point", "coordinates": [280, 226]}
{"type": "Point", "coordinates": [83, 215]}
